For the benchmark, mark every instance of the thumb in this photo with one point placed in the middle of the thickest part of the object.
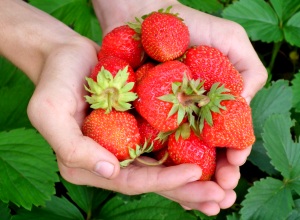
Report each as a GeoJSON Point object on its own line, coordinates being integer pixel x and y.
{"type": "Point", "coordinates": [72, 149]}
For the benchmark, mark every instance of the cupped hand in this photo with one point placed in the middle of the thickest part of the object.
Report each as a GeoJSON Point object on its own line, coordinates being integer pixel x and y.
{"type": "Point", "coordinates": [232, 40]}
{"type": "Point", "coordinates": [57, 109]}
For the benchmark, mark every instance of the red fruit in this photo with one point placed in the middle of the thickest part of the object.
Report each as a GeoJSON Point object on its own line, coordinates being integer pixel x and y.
{"type": "Point", "coordinates": [123, 42]}
{"type": "Point", "coordinates": [231, 127]}
{"type": "Point", "coordinates": [149, 134]}
{"type": "Point", "coordinates": [210, 65]}
{"type": "Point", "coordinates": [113, 65]}
{"type": "Point", "coordinates": [158, 83]}
{"type": "Point", "coordinates": [111, 85]}
{"type": "Point", "coordinates": [193, 150]}
{"type": "Point", "coordinates": [115, 131]}
{"type": "Point", "coordinates": [143, 70]}
{"type": "Point", "coordinates": [164, 36]}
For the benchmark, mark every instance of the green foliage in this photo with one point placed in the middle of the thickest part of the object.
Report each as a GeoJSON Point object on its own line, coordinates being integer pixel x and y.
{"type": "Point", "coordinates": [269, 193]}
{"type": "Point", "coordinates": [267, 22]}
{"type": "Point", "coordinates": [277, 99]}
{"type": "Point", "coordinates": [209, 6]}
{"type": "Point", "coordinates": [30, 187]}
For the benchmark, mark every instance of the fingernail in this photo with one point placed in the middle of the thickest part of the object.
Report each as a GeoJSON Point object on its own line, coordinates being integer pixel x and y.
{"type": "Point", "coordinates": [104, 169]}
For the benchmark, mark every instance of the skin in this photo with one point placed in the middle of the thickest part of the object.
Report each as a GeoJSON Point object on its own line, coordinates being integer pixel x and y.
{"type": "Point", "coordinates": [57, 59]}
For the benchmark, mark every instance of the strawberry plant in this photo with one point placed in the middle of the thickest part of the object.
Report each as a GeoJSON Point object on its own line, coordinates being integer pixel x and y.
{"type": "Point", "coordinates": [31, 187]}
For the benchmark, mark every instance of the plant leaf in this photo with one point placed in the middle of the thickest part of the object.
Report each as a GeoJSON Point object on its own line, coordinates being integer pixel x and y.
{"type": "Point", "coordinates": [295, 213]}
{"type": "Point", "coordinates": [87, 198]}
{"type": "Point", "coordinates": [268, 199]}
{"type": "Point", "coordinates": [4, 211]}
{"type": "Point", "coordinates": [296, 92]}
{"type": "Point", "coordinates": [285, 8]}
{"type": "Point", "coordinates": [15, 92]}
{"type": "Point", "coordinates": [284, 153]}
{"type": "Point", "coordinates": [277, 99]}
{"type": "Point", "coordinates": [57, 208]}
{"type": "Point", "coordinates": [292, 30]}
{"type": "Point", "coordinates": [150, 206]}
{"type": "Point", "coordinates": [27, 168]}
{"type": "Point", "coordinates": [208, 6]}
{"type": "Point", "coordinates": [257, 17]}
{"type": "Point", "coordinates": [78, 14]}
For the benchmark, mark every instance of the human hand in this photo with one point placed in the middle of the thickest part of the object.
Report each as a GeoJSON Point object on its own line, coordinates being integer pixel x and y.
{"type": "Point", "coordinates": [57, 60]}
{"type": "Point", "coordinates": [232, 40]}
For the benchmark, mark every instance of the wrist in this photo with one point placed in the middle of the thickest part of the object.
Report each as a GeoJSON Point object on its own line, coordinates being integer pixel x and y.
{"type": "Point", "coordinates": [27, 38]}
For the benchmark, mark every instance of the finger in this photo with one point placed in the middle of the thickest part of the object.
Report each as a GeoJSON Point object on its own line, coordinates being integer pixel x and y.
{"type": "Point", "coordinates": [226, 175]}
{"type": "Point", "coordinates": [63, 133]}
{"type": "Point", "coordinates": [229, 199]}
{"type": "Point", "coordinates": [134, 180]}
{"type": "Point", "coordinates": [208, 208]}
{"type": "Point", "coordinates": [196, 192]}
{"type": "Point", "coordinates": [238, 157]}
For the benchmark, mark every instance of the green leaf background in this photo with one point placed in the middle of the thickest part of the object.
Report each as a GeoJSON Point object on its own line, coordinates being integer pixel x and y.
{"type": "Point", "coordinates": [26, 158]}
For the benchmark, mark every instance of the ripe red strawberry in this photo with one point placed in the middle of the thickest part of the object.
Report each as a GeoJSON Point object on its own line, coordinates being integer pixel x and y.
{"type": "Point", "coordinates": [209, 64]}
{"type": "Point", "coordinates": [164, 36]}
{"type": "Point", "coordinates": [143, 70]}
{"type": "Point", "coordinates": [111, 85]}
{"type": "Point", "coordinates": [113, 65]}
{"type": "Point", "coordinates": [125, 43]}
{"type": "Point", "coordinates": [231, 127]}
{"type": "Point", "coordinates": [150, 134]}
{"type": "Point", "coordinates": [193, 150]}
{"type": "Point", "coordinates": [115, 131]}
{"type": "Point", "coordinates": [163, 98]}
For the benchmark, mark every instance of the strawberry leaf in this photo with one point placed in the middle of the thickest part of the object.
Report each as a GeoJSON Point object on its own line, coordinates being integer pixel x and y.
{"type": "Point", "coordinates": [5, 211]}
{"type": "Point", "coordinates": [87, 198]}
{"type": "Point", "coordinates": [149, 206]}
{"type": "Point", "coordinates": [284, 153]}
{"type": "Point", "coordinates": [285, 8]}
{"type": "Point", "coordinates": [209, 6]}
{"type": "Point", "coordinates": [28, 168]}
{"type": "Point", "coordinates": [277, 99]}
{"type": "Point", "coordinates": [78, 14]}
{"type": "Point", "coordinates": [15, 92]}
{"type": "Point", "coordinates": [292, 30]}
{"type": "Point", "coordinates": [264, 197]}
{"type": "Point", "coordinates": [57, 208]}
{"type": "Point", "coordinates": [296, 92]}
{"type": "Point", "coordinates": [257, 17]}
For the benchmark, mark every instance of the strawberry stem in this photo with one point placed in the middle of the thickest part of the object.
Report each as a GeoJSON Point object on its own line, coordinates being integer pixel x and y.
{"type": "Point", "coordinates": [187, 100]}
{"type": "Point", "coordinates": [156, 163]}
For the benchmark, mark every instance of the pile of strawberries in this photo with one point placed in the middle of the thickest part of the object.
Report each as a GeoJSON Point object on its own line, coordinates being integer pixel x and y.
{"type": "Point", "coordinates": [153, 93]}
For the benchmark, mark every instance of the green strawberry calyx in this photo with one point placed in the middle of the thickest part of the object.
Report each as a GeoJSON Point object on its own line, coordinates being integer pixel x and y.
{"type": "Point", "coordinates": [138, 151]}
{"type": "Point", "coordinates": [110, 92]}
{"type": "Point", "coordinates": [136, 26]}
{"type": "Point", "coordinates": [187, 97]}
{"type": "Point", "coordinates": [216, 95]}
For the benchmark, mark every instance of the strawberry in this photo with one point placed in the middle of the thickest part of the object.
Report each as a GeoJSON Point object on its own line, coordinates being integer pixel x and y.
{"type": "Point", "coordinates": [230, 127]}
{"type": "Point", "coordinates": [210, 65]}
{"type": "Point", "coordinates": [113, 65]}
{"type": "Point", "coordinates": [150, 134]}
{"type": "Point", "coordinates": [164, 36]}
{"type": "Point", "coordinates": [125, 43]}
{"type": "Point", "coordinates": [163, 96]}
{"type": "Point", "coordinates": [111, 85]}
{"type": "Point", "coordinates": [193, 150]}
{"type": "Point", "coordinates": [143, 70]}
{"type": "Point", "coordinates": [116, 131]}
